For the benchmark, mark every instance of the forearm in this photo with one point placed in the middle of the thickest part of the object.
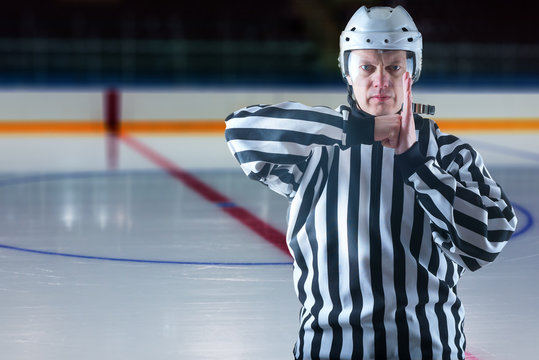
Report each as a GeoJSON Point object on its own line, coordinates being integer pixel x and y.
{"type": "Point", "coordinates": [282, 129]}
{"type": "Point", "coordinates": [279, 139]}
{"type": "Point", "coordinates": [471, 219]}
{"type": "Point", "coordinates": [286, 133]}
{"type": "Point", "coordinates": [304, 125]}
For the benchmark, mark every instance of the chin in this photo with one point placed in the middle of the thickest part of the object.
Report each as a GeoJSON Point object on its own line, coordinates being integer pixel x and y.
{"type": "Point", "coordinates": [382, 110]}
{"type": "Point", "coordinates": [378, 111]}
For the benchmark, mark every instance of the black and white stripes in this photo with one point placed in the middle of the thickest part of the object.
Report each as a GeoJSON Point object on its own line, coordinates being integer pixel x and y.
{"type": "Point", "coordinates": [379, 241]}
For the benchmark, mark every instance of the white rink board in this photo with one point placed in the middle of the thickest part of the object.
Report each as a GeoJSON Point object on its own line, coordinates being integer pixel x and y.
{"type": "Point", "coordinates": [214, 104]}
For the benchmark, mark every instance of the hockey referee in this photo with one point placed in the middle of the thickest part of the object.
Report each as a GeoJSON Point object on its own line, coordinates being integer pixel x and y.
{"type": "Point", "coordinates": [386, 211]}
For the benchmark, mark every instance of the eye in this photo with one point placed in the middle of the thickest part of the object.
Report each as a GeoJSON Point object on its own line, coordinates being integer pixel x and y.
{"type": "Point", "coordinates": [367, 67]}
{"type": "Point", "coordinates": [394, 68]}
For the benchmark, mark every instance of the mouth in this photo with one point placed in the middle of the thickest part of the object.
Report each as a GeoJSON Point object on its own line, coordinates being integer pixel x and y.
{"type": "Point", "coordinates": [380, 98]}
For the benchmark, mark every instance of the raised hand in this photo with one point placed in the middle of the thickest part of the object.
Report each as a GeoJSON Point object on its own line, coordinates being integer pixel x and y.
{"type": "Point", "coordinates": [407, 129]}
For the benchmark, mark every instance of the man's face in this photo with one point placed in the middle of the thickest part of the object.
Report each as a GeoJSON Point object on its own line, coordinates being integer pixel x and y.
{"type": "Point", "coordinates": [376, 78]}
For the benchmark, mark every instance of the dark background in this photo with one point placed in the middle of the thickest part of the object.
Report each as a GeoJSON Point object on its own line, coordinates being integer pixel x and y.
{"type": "Point", "coordinates": [230, 43]}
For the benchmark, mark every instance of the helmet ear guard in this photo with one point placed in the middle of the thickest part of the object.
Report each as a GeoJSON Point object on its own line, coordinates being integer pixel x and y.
{"type": "Point", "coordinates": [345, 69]}
{"type": "Point", "coordinates": [411, 64]}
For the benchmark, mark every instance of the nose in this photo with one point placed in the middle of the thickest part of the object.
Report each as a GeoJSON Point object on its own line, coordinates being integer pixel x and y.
{"type": "Point", "coordinates": [380, 78]}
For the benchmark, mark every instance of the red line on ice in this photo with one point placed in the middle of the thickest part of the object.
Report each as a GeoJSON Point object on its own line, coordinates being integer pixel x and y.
{"type": "Point", "coordinates": [260, 227]}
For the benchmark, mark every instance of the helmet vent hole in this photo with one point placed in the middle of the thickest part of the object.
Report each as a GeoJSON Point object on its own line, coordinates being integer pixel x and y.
{"type": "Point", "coordinates": [386, 41]}
{"type": "Point", "coordinates": [347, 39]}
{"type": "Point", "coordinates": [404, 29]}
{"type": "Point", "coordinates": [410, 39]}
{"type": "Point", "coordinates": [353, 29]}
{"type": "Point", "coordinates": [369, 41]}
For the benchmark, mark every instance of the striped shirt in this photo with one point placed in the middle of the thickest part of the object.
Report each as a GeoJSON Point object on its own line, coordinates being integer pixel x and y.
{"type": "Point", "coordinates": [379, 240]}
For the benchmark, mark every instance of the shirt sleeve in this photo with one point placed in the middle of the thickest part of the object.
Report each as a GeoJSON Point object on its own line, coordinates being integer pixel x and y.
{"type": "Point", "coordinates": [471, 217]}
{"type": "Point", "coordinates": [273, 143]}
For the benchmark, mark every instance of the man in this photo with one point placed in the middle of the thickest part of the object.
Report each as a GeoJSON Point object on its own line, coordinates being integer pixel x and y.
{"type": "Point", "coordinates": [386, 211]}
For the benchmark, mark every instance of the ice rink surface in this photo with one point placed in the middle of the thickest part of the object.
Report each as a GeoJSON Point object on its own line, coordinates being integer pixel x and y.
{"type": "Point", "coordinates": [104, 254]}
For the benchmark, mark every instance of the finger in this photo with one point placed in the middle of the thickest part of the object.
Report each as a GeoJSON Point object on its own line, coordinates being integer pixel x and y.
{"type": "Point", "coordinates": [409, 92]}
{"type": "Point", "coordinates": [391, 141]}
{"type": "Point", "coordinates": [407, 86]}
{"type": "Point", "coordinates": [394, 141]}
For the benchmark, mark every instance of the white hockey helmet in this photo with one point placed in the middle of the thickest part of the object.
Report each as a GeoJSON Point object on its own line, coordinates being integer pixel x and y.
{"type": "Point", "coordinates": [382, 28]}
